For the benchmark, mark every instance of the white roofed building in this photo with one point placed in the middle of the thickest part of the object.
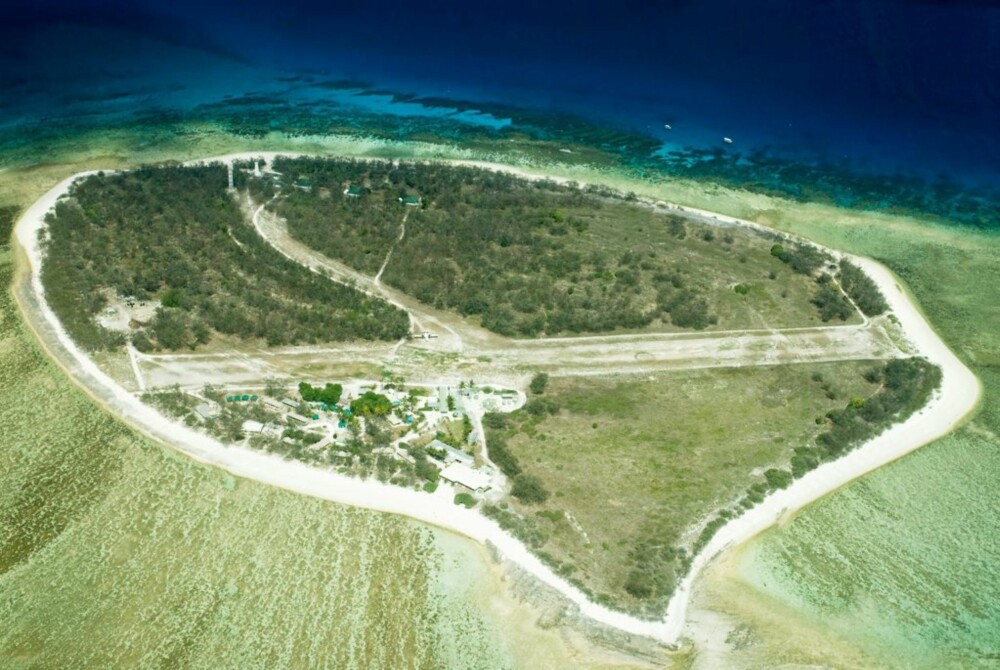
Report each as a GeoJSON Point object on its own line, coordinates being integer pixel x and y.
{"type": "Point", "coordinates": [463, 475]}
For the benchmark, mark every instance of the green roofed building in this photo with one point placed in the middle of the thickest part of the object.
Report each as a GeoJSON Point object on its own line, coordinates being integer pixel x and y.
{"type": "Point", "coordinates": [304, 183]}
{"type": "Point", "coordinates": [353, 191]}
{"type": "Point", "coordinates": [410, 200]}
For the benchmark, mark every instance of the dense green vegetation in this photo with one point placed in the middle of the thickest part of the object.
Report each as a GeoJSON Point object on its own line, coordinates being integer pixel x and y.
{"type": "Point", "coordinates": [536, 258]}
{"type": "Point", "coordinates": [804, 259]}
{"type": "Point", "coordinates": [905, 386]}
{"type": "Point", "coordinates": [174, 235]}
{"type": "Point", "coordinates": [371, 404]}
{"type": "Point", "coordinates": [830, 300]}
{"type": "Point", "coordinates": [863, 291]}
{"type": "Point", "coordinates": [8, 215]}
{"type": "Point", "coordinates": [329, 395]}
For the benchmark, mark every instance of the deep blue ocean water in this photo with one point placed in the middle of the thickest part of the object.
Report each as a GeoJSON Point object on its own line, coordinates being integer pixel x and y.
{"type": "Point", "coordinates": [893, 87]}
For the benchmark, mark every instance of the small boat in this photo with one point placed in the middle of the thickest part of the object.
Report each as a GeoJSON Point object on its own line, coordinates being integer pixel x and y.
{"type": "Point", "coordinates": [667, 126]}
{"type": "Point", "coordinates": [727, 140]}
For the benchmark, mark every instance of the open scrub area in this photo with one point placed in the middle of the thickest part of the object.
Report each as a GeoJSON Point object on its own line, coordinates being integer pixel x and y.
{"type": "Point", "coordinates": [620, 480]}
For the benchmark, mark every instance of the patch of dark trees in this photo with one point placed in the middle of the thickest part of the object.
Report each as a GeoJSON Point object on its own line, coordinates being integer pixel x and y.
{"type": "Point", "coordinates": [862, 289]}
{"type": "Point", "coordinates": [173, 234]}
{"type": "Point", "coordinates": [485, 244]}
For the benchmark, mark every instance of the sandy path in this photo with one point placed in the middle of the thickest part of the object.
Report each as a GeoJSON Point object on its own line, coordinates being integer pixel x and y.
{"type": "Point", "coordinates": [959, 394]}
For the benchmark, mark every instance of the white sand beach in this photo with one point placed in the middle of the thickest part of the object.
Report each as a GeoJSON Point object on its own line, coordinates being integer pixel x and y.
{"type": "Point", "coordinates": [958, 395]}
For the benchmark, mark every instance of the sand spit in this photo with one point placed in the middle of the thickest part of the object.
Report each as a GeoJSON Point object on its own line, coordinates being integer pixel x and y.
{"type": "Point", "coordinates": [959, 393]}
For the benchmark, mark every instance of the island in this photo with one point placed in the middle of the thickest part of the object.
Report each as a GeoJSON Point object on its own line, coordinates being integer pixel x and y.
{"type": "Point", "coordinates": [604, 388]}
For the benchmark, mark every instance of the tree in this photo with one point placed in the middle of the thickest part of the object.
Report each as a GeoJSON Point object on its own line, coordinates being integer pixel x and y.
{"type": "Point", "coordinates": [371, 404]}
{"type": "Point", "coordinates": [539, 383]}
{"type": "Point", "coordinates": [275, 388]}
{"type": "Point", "coordinates": [329, 394]}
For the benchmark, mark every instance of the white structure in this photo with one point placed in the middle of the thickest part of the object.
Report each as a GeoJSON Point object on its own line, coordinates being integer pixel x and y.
{"type": "Point", "coordinates": [451, 454]}
{"type": "Point", "coordinates": [463, 475]}
{"type": "Point", "coordinates": [207, 410]}
{"type": "Point", "coordinates": [253, 427]}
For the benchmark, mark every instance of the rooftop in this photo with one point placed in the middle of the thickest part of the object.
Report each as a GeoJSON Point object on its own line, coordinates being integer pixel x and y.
{"type": "Point", "coordinates": [475, 480]}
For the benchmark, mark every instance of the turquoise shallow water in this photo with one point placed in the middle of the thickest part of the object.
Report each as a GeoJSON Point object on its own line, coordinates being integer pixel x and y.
{"type": "Point", "coordinates": [905, 562]}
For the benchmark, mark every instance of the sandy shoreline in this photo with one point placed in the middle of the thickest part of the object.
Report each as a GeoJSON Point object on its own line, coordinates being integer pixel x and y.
{"type": "Point", "coordinates": [959, 393]}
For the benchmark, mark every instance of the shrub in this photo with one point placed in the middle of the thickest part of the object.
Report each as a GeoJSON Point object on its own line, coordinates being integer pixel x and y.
{"type": "Point", "coordinates": [465, 499]}
{"type": "Point", "coordinates": [639, 585]}
{"type": "Point", "coordinates": [503, 457]}
{"type": "Point", "coordinates": [495, 420]}
{"type": "Point", "coordinates": [529, 489]}
{"type": "Point", "coordinates": [778, 479]}
{"type": "Point", "coordinates": [538, 383]}
{"type": "Point", "coordinates": [541, 406]}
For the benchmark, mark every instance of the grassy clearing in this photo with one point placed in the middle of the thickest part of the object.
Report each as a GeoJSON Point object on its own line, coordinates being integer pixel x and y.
{"type": "Point", "coordinates": [634, 465]}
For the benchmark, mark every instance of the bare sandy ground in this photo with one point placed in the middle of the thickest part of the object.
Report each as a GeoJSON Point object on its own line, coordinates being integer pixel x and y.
{"type": "Point", "coordinates": [959, 394]}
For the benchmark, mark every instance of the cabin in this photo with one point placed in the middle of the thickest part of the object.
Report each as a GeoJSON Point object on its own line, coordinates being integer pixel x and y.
{"type": "Point", "coordinates": [451, 454]}
{"type": "Point", "coordinates": [322, 444]}
{"type": "Point", "coordinates": [304, 183]}
{"type": "Point", "coordinates": [253, 427]}
{"type": "Point", "coordinates": [353, 191]}
{"type": "Point", "coordinates": [208, 410]}
{"type": "Point", "coordinates": [276, 405]}
{"type": "Point", "coordinates": [411, 200]}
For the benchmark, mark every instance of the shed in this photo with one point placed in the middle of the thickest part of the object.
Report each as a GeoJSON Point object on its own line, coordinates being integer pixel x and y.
{"type": "Point", "coordinates": [298, 418]}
